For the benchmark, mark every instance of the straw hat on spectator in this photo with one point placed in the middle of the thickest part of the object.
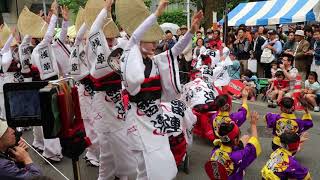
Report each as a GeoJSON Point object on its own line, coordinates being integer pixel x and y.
{"type": "Point", "coordinates": [5, 32]}
{"type": "Point", "coordinates": [92, 10]}
{"type": "Point", "coordinates": [31, 24]}
{"type": "Point", "coordinates": [131, 13]}
{"type": "Point", "coordinates": [299, 33]}
{"type": "Point", "coordinates": [3, 127]}
{"type": "Point", "coordinates": [79, 19]}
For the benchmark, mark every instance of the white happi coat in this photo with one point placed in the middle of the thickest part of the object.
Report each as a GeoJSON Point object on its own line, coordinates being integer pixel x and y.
{"type": "Point", "coordinates": [198, 92]}
{"type": "Point", "coordinates": [214, 56]}
{"type": "Point", "coordinates": [144, 133]}
{"type": "Point", "coordinates": [43, 56]}
{"type": "Point", "coordinates": [177, 118]}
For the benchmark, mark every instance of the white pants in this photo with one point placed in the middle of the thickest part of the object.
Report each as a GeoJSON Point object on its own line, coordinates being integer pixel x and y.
{"type": "Point", "coordinates": [115, 157]}
{"type": "Point", "coordinates": [93, 152]}
{"type": "Point", "coordinates": [156, 165]}
{"type": "Point", "coordinates": [51, 147]}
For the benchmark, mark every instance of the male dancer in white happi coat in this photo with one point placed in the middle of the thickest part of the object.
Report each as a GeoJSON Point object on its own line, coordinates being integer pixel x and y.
{"type": "Point", "coordinates": [44, 57]}
{"type": "Point", "coordinates": [115, 158]}
{"type": "Point", "coordinates": [150, 79]}
{"type": "Point", "coordinates": [79, 66]}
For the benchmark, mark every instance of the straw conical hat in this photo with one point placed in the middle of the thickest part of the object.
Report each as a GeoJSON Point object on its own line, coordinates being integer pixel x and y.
{"type": "Point", "coordinates": [92, 10]}
{"type": "Point", "coordinates": [131, 13]}
{"type": "Point", "coordinates": [31, 24]}
{"type": "Point", "coordinates": [79, 19]}
{"type": "Point", "coordinates": [110, 29]}
{"type": "Point", "coordinates": [5, 32]}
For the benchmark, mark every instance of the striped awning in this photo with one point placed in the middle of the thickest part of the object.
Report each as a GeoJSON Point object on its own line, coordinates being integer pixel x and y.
{"type": "Point", "coordinates": [274, 12]}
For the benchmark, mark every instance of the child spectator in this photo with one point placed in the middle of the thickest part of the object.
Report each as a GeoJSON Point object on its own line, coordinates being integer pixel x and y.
{"type": "Point", "coordinates": [287, 121]}
{"type": "Point", "coordinates": [312, 90]}
{"type": "Point", "coordinates": [279, 88]}
{"type": "Point", "coordinates": [234, 69]}
{"type": "Point", "coordinates": [252, 85]}
{"type": "Point", "coordinates": [274, 69]}
{"type": "Point", "coordinates": [282, 164]}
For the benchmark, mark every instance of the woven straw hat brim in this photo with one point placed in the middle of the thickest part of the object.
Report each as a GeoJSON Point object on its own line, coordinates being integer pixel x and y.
{"type": "Point", "coordinates": [31, 24]}
{"type": "Point", "coordinates": [110, 29]}
{"type": "Point", "coordinates": [79, 19]}
{"type": "Point", "coordinates": [92, 10]}
{"type": "Point", "coordinates": [5, 32]}
{"type": "Point", "coordinates": [131, 13]}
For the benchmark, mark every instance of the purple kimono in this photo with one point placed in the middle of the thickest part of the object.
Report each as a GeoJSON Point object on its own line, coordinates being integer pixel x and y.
{"type": "Point", "coordinates": [223, 116]}
{"type": "Point", "coordinates": [236, 162]}
{"type": "Point", "coordinates": [282, 165]}
{"type": "Point", "coordinates": [287, 122]}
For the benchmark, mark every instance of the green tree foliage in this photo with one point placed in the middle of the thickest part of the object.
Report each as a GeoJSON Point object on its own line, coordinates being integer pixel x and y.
{"type": "Point", "coordinates": [73, 5]}
{"type": "Point", "coordinates": [176, 16]}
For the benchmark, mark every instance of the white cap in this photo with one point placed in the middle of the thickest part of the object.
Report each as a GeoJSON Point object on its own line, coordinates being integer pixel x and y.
{"type": "Point", "coordinates": [3, 127]}
{"type": "Point", "coordinates": [299, 33]}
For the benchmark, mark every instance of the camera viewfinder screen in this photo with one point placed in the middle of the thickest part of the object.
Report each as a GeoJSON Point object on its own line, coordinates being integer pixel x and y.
{"type": "Point", "coordinates": [24, 103]}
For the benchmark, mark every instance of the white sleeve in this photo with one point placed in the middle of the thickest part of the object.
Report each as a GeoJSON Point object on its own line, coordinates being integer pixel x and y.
{"type": "Point", "coordinates": [80, 34]}
{"type": "Point", "coordinates": [98, 51]}
{"type": "Point", "coordinates": [50, 32]}
{"type": "Point", "coordinates": [98, 22]}
{"type": "Point", "coordinates": [169, 75]}
{"type": "Point", "coordinates": [181, 45]}
{"type": "Point", "coordinates": [7, 45]}
{"type": "Point", "coordinates": [64, 31]}
{"type": "Point", "coordinates": [132, 69]}
{"type": "Point", "coordinates": [142, 28]}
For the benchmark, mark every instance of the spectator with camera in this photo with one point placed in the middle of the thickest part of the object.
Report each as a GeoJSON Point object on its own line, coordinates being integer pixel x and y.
{"type": "Point", "coordinates": [290, 72]}
{"type": "Point", "coordinates": [15, 161]}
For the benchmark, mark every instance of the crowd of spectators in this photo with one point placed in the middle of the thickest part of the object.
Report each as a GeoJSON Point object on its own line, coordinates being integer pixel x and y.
{"type": "Point", "coordinates": [294, 51]}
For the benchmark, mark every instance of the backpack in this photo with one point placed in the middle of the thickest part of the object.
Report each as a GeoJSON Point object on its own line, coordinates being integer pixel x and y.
{"type": "Point", "coordinates": [267, 56]}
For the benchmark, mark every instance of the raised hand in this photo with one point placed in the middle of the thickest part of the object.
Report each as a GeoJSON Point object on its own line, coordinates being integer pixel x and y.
{"type": "Point", "coordinates": [108, 5]}
{"type": "Point", "coordinates": [245, 93]}
{"type": "Point", "coordinates": [41, 13]}
{"type": "Point", "coordinates": [196, 20]}
{"type": "Point", "coordinates": [14, 31]}
{"type": "Point", "coordinates": [54, 7]}
{"type": "Point", "coordinates": [161, 7]}
{"type": "Point", "coordinates": [65, 12]}
{"type": "Point", "coordinates": [254, 118]}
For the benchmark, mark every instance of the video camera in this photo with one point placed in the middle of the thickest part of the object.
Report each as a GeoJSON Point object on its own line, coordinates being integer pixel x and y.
{"type": "Point", "coordinates": [40, 104]}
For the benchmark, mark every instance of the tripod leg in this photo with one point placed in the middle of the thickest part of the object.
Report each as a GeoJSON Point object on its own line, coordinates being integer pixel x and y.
{"type": "Point", "coordinates": [76, 169]}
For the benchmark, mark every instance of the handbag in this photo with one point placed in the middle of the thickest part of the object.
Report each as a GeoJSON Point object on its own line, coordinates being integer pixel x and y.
{"type": "Point", "coordinates": [252, 65]}
{"type": "Point", "coordinates": [267, 56]}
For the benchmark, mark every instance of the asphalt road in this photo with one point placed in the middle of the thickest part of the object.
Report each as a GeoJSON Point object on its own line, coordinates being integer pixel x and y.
{"type": "Point", "coordinates": [309, 156]}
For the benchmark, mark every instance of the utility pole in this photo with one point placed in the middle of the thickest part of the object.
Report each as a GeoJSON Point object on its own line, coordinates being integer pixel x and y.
{"type": "Point", "coordinates": [225, 21]}
{"type": "Point", "coordinates": [188, 14]}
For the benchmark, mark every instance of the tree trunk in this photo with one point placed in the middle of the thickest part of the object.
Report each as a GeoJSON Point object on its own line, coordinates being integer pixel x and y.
{"type": "Point", "coordinates": [208, 7]}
